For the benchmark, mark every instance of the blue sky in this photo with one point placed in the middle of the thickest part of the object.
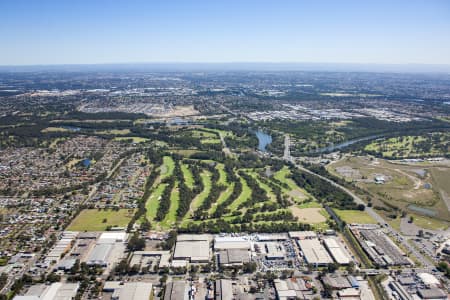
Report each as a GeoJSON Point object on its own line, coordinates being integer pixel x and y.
{"type": "Point", "coordinates": [338, 31]}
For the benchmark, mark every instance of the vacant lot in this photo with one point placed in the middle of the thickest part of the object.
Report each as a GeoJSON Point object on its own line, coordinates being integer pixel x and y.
{"type": "Point", "coordinates": [99, 220]}
{"type": "Point", "coordinates": [309, 215]}
{"type": "Point", "coordinates": [355, 216]}
{"type": "Point", "coordinates": [404, 184]}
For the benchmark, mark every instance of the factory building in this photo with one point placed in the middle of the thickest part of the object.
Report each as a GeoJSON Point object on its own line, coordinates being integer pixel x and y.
{"type": "Point", "coordinates": [56, 291]}
{"type": "Point", "coordinates": [336, 251]}
{"type": "Point", "coordinates": [314, 252]}
{"type": "Point", "coordinates": [225, 243]}
{"type": "Point", "coordinates": [193, 248]}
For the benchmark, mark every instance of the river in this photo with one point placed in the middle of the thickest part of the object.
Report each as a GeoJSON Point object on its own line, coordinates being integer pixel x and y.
{"type": "Point", "coordinates": [346, 143]}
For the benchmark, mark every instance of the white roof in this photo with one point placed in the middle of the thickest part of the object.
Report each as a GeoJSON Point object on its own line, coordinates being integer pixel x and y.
{"type": "Point", "coordinates": [113, 236]}
{"type": "Point", "coordinates": [194, 250]}
{"type": "Point", "coordinates": [428, 279]}
{"type": "Point", "coordinates": [314, 252]}
{"type": "Point", "coordinates": [302, 234]}
{"type": "Point", "coordinates": [336, 251]}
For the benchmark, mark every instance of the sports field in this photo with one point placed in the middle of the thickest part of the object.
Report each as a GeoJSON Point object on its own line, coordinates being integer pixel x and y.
{"type": "Point", "coordinates": [94, 219]}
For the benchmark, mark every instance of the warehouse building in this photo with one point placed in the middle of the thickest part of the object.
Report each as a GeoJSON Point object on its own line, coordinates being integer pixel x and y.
{"type": "Point", "coordinates": [176, 290]}
{"type": "Point", "coordinates": [62, 246]}
{"type": "Point", "coordinates": [274, 250]}
{"type": "Point", "coordinates": [337, 252]}
{"type": "Point", "coordinates": [229, 242]}
{"type": "Point", "coordinates": [314, 252]}
{"type": "Point", "coordinates": [108, 249]}
{"type": "Point", "coordinates": [196, 249]}
{"type": "Point", "coordinates": [302, 235]}
{"type": "Point", "coordinates": [233, 257]}
{"type": "Point", "coordinates": [56, 291]}
{"type": "Point", "coordinates": [129, 290]}
{"type": "Point", "coordinates": [143, 258]}
{"type": "Point", "coordinates": [224, 289]}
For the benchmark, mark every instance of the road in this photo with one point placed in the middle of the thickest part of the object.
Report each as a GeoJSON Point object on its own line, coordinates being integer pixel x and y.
{"type": "Point", "coordinates": [287, 145]}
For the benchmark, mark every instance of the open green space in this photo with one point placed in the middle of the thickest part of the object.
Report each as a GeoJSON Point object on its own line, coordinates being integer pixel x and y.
{"type": "Point", "coordinates": [404, 184]}
{"type": "Point", "coordinates": [167, 167]}
{"type": "Point", "coordinates": [223, 175]}
{"type": "Point", "coordinates": [99, 220]}
{"type": "Point", "coordinates": [223, 196]}
{"type": "Point", "coordinates": [114, 131]}
{"type": "Point", "coordinates": [244, 196]}
{"type": "Point", "coordinates": [187, 174]}
{"type": "Point", "coordinates": [153, 201]}
{"type": "Point", "coordinates": [411, 146]}
{"type": "Point", "coordinates": [354, 216]}
{"type": "Point", "coordinates": [429, 223]}
{"type": "Point", "coordinates": [198, 200]}
{"type": "Point", "coordinates": [171, 216]}
{"type": "Point", "coordinates": [133, 139]}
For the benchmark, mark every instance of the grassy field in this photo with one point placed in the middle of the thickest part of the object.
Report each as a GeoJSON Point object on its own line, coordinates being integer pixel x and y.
{"type": "Point", "coordinates": [92, 219]}
{"type": "Point", "coordinates": [246, 192]}
{"type": "Point", "coordinates": [294, 191]}
{"type": "Point", "coordinates": [187, 176]}
{"type": "Point", "coordinates": [171, 216]}
{"type": "Point", "coordinates": [54, 129]}
{"type": "Point", "coordinates": [355, 216]}
{"type": "Point", "coordinates": [114, 131]}
{"type": "Point", "coordinates": [198, 200]}
{"type": "Point", "coordinates": [223, 175]}
{"type": "Point", "coordinates": [153, 201]}
{"type": "Point", "coordinates": [409, 146]}
{"type": "Point", "coordinates": [429, 223]}
{"type": "Point", "coordinates": [167, 167]}
{"type": "Point", "coordinates": [264, 186]}
{"type": "Point", "coordinates": [404, 184]}
{"type": "Point", "coordinates": [133, 139]}
{"type": "Point", "coordinates": [223, 196]}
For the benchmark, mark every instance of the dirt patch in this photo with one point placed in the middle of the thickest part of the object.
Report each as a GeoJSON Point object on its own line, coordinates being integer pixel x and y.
{"type": "Point", "coordinates": [308, 215]}
{"type": "Point", "coordinates": [297, 194]}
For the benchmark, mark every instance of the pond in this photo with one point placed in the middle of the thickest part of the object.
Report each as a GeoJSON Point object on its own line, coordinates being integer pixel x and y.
{"type": "Point", "coordinates": [263, 140]}
{"type": "Point", "coordinates": [86, 162]}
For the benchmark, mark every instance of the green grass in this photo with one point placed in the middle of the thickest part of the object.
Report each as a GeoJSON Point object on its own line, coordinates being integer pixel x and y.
{"type": "Point", "coordinates": [153, 201]}
{"type": "Point", "coordinates": [264, 186]}
{"type": "Point", "coordinates": [355, 216]}
{"type": "Point", "coordinates": [198, 200]}
{"type": "Point", "coordinates": [167, 167]}
{"type": "Point", "coordinates": [54, 129]}
{"type": "Point", "coordinates": [407, 146]}
{"type": "Point", "coordinates": [133, 139]}
{"type": "Point", "coordinates": [298, 193]}
{"type": "Point", "coordinates": [244, 196]}
{"type": "Point", "coordinates": [187, 174]}
{"type": "Point", "coordinates": [223, 196]}
{"type": "Point", "coordinates": [429, 223]}
{"type": "Point", "coordinates": [92, 219]}
{"type": "Point", "coordinates": [282, 176]}
{"type": "Point", "coordinates": [223, 175]}
{"type": "Point", "coordinates": [114, 131]}
{"type": "Point", "coordinates": [171, 216]}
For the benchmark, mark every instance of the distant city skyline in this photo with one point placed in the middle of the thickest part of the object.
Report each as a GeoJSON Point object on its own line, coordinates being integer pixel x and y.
{"type": "Point", "coordinates": [102, 32]}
